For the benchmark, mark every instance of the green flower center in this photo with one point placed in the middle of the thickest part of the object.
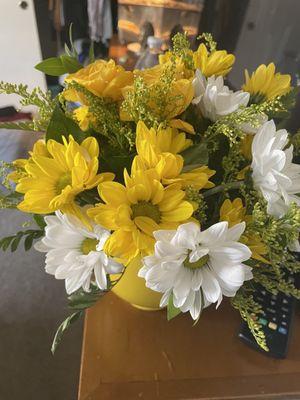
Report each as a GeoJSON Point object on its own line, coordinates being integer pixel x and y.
{"type": "Point", "coordinates": [197, 264]}
{"type": "Point", "coordinates": [88, 245]}
{"type": "Point", "coordinates": [63, 181]}
{"type": "Point", "coordinates": [146, 209]}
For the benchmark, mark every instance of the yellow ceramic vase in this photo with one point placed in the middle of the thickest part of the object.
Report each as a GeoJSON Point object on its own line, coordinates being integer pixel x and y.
{"type": "Point", "coordinates": [132, 289]}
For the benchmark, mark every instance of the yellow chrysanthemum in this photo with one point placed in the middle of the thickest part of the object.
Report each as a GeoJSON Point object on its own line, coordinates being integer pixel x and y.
{"type": "Point", "coordinates": [135, 210]}
{"type": "Point", "coordinates": [218, 62]}
{"type": "Point", "coordinates": [265, 83]}
{"type": "Point", "coordinates": [159, 150]}
{"type": "Point", "coordinates": [84, 118]}
{"type": "Point", "coordinates": [102, 78]}
{"type": "Point", "coordinates": [177, 99]}
{"type": "Point", "coordinates": [246, 146]}
{"type": "Point", "coordinates": [181, 70]}
{"type": "Point", "coordinates": [234, 212]}
{"type": "Point", "coordinates": [55, 173]}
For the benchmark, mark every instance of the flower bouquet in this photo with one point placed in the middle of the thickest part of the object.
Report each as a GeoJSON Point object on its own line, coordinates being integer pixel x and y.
{"type": "Point", "coordinates": [162, 185]}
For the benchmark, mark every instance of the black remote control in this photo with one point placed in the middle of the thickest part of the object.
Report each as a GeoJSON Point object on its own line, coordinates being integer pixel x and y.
{"type": "Point", "coordinates": [276, 321]}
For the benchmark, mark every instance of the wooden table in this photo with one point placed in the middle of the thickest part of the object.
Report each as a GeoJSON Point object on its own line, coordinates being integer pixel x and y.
{"type": "Point", "coordinates": [130, 354]}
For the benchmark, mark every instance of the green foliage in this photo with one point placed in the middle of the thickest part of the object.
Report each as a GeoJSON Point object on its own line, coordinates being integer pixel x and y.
{"type": "Point", "coordinates": [172, 311]}
{"type": "Point", "coordinates": [195, 156]}
{"type": "Point", "coordinates": [181, 49]}
{"type": "Point", "coordinates": [61, 125]}
{"type": "Point", "coordinates": [106, 114]}
{"type": "Point", "coordinates": [91, 53]}
{"type": "Point", "coordinates": [249, 310]}
{"type": "Point", "coordinates": [295, 141]}
{"type": "Point", "coordinates": [20, 126]}
{"type": "Point", "coordinates": [63, 327]}
{"type": "Point", "coordinates": [43, 101]}
{"type": "Point", "coordinates": [13, 241]}
{"type": "Point", "coordinates": [56, 66]}
{"type": "Point", "coordinates": [80, 300]}
{"type": "Point", "coordinates": [65, 64]}
{"type": "Point", "coordinates": [232, 162]}
{"type": "Point", "coordinates": [277, 234]}
{"type": "Point", "coordinates": [210, 43]}
{"type": "Point", "coordinates": [8, 197]}
{"type": "Point", "coordinates": [149, 103]}
{"type": "Point", "coordinates": [194, 196]}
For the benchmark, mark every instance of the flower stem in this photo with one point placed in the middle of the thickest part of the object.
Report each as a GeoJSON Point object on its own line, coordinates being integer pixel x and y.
{"type": "Point", "coordinates": [221, 188]}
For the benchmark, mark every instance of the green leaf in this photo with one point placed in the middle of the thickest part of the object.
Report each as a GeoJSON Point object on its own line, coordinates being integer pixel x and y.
{"type": "Point", "coordinates": [116, 163]}
{"type": "Point", "coordinates": [63, 327]}
{"type": "Point", "coordinates": [73, 49]}
{"type": "Point", "coordinates": [5, 242]}
{"type": "Point", "coordinates": [60, 125]}
{"type": "Point", "coordinates": [172, 311]}
{"type": "Point", "coordinates": [91, 53]}
{"type": "Point", "coordinates": [70, 64]}
{"type": "Point", "coordinates": [39, 220]}
{"type": "Point", "coordinates": [56, 66]}
{"type": "Point", "coordinates": [24, 126]}
{"type": "Point", "coordinates": [16, 242]}
{"type": "Point", "coordinates": [81, 300]}
{"type": "Point", "coordinates": [68, 51]}
{"type": "Point", "coordinates": [52, 66]}
{"type": "Point", "coordinates": [195, 155]}
{"type": "Point", "coordinates": [28, 242]}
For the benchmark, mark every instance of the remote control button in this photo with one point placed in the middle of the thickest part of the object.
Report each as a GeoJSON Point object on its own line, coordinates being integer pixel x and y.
{"type": "Point", "coordinates": [284, 323]}
{"type": "Point", "coordinates": [262, 321]}
{"type": "Point", "coordinates": [272, 302]}
{"type": "Point", "coordinates": [272, 326]}
{"type": "Point", "coordinates": [271, 310]}
{"type": "Point", "coordinates": [285, 309]}
{"type": "Point", "coordinates": [282, 330]}
{"type": "Point", "coordinates": [285, 301]}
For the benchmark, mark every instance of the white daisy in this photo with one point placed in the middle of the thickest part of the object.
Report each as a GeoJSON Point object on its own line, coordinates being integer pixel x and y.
{"type": "Point", "coordinates": [75, 253]}
{"type": "Point", "coordinates": [196, 267]}
{"type": "Point", "coordinates": [216, 100]}
{"type": "Point", "coordinates": [273, 172]}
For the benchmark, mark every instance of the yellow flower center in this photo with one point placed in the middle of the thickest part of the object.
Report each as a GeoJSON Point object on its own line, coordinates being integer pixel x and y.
{"type": "Point", "coordinates": [146, 209]}
{"type": "Point", "coordinates": [63, 181]}
{"type": "Point", "coordinates": [197, 264]}
{"type": "Point", "coordinates": [88, 245]}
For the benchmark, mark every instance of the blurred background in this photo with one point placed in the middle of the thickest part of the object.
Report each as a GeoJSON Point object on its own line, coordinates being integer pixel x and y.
{"type": "Point", "coordinates": [133, 33]}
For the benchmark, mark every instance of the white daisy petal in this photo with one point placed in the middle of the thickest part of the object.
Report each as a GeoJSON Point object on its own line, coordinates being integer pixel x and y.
{"type": "Point", "coordinates": [188, 262]}
{"type": "Point", "coordinates": [63, 244]}
{"type": "Point", "coordinates": [214, 99]}
{"type": "Point", "coordinates": [273, 172]}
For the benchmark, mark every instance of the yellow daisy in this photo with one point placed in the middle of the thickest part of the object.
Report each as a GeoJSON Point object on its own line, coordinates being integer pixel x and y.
{"type": "Point", "coordinates": [218, 62]}
{"type": "Point", "coordinates": [135, 210]}
{"type": "Point", "coordinates": [84, 118]}
{"type": "Point", "coordinates": [246, 146]}
{"type": "Point", "coordinates": [234, 212]}
{"type": "Point", "coordinates": [159, 150]}
{"type": "Point", "coordinates": [56, 173]}
{"type": "Point", "coordinates": [265, 83]}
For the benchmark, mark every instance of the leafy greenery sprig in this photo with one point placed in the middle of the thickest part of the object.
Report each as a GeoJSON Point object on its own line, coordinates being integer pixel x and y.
{"type": "Point", "coordinates": [43, 101]}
